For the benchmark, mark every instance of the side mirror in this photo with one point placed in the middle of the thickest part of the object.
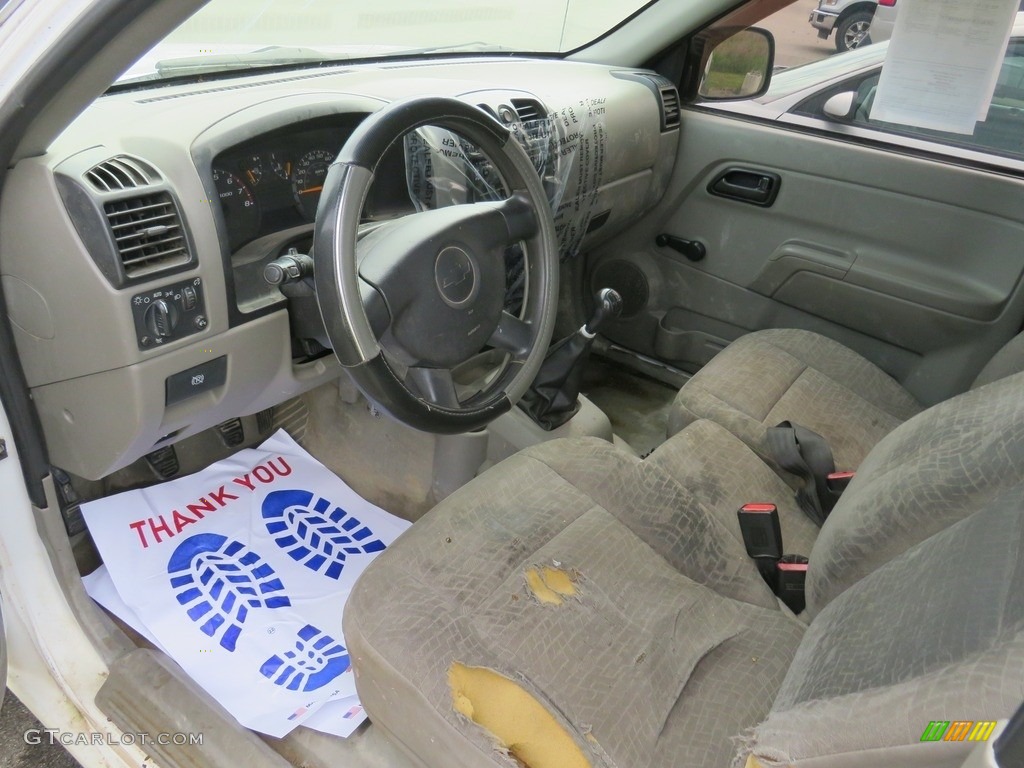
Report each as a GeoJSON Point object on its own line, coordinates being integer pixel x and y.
{"type": "Point", "coordinates": [841, 105]}
{"type": "Point", "coordinates": [737, 63]}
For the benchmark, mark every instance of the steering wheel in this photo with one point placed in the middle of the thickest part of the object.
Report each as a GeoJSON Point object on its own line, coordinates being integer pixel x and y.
{"type": "Point", "coordinates": [412, 300]}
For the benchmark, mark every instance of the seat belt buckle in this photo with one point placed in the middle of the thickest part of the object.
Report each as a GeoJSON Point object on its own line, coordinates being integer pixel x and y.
{"type": "Point", "coordinates": [762, 536]}
{"type": "Point", "coordinates": [837, 481]}
{"type": "Point", "coordinates": [791, 577]}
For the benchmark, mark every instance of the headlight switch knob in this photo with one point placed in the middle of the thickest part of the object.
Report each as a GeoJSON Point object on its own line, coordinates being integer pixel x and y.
{"type": "Point", "coordinates": [161, 318]}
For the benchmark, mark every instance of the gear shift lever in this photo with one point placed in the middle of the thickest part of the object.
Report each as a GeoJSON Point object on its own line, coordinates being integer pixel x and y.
{"type": "Point", "coordinates": [553, 397]}
{"type": "Point", "coordinates": [607, 306]}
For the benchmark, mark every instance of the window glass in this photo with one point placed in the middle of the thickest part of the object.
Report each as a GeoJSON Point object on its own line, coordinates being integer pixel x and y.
{"type": "Point", "coordinates": [236, 34]}
{"type": "Point", "coordinates": [815, 63]}
{"type": "Point", "coordinates": [1001, 132]}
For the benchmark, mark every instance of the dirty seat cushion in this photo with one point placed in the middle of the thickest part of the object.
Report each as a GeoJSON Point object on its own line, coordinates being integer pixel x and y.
{"type": "Point", "coordinates": [726, 474]}
{"type": "Point", "coordinates": [623, 567]}
{"type": "Point", "coordinates": [577, 606]}
{"type": "Point", "coordinates": [776, 375]}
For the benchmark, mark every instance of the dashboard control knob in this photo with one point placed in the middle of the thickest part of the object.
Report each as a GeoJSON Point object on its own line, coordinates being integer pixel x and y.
{"type": "Point", "coordinates": [161, 318]}
{"type": "Point", "coordinates": [189, 298]}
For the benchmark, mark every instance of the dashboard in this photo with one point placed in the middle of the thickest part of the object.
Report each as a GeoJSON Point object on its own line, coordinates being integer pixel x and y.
{"type": "Point", "coordinates": [132, 252]}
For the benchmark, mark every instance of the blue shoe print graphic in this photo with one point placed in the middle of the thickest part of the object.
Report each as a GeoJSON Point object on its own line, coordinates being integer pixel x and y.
{"type": "Point", "coordinates": [219, 581]}
{"type": "Point", "coordinates": [315, 532]}
{"type": "Point", "coordinates": [316, 660]}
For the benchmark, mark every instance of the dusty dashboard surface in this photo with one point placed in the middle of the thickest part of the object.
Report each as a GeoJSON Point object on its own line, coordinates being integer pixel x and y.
{"type": "Point", "coordinates": [132, 253]}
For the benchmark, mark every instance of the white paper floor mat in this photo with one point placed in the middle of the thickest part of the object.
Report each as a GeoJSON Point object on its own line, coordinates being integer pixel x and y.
{"type": "Point", "coordinates": [240, 573]}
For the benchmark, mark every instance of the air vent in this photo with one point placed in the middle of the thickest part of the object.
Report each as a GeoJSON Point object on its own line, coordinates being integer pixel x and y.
{"type": "Point", "coordinates": [669, 106]}
{"type": "Point", "coordinates": [147, 232]}
{"type": "Point", "coordinates": [528, 109]}
{"type": "Point", "coordinates": [488, 109]}
{"type": "Point", "coordinates": [119, 173]}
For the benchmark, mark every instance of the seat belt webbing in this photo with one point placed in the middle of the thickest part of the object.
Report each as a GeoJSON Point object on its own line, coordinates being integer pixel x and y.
{"type": "Point", "coordinates": [806, 454]}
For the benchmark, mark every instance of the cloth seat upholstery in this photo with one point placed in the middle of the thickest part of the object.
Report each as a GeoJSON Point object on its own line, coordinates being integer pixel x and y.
{"type": "Point", "coordinates": [776, 375]}
{"type": "Point", "coordinates": [683, 643]}
{"type": "Point", "coordinates": [673, 652]}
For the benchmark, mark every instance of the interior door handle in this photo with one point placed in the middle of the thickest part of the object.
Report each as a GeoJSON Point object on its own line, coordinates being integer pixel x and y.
{"type": "Point", "coordinates": [747, 185]}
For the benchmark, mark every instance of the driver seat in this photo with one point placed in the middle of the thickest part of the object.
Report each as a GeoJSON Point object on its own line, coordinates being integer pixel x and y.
{"type": "Point", "coordinates": [576, 606]}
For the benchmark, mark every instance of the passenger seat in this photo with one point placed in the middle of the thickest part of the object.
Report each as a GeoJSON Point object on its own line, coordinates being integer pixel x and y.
{"type": "Point", "coordinates": [771, 376]}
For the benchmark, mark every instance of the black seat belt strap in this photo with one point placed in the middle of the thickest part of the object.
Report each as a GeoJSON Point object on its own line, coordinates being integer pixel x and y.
{"type": "Point", "coordinates": [805, 454]}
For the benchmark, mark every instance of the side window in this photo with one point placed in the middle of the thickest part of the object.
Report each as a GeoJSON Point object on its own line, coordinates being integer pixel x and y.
{"type": "Point", "coordinates": [1001, 132]}
{"type": "Point", "coordinates": [829, 56]}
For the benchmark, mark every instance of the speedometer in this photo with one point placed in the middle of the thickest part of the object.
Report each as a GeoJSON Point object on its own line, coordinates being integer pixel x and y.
{"type": "Point", "coordinates": [308, 180]}
{"type": "Point", "coordinates": [237, 203]}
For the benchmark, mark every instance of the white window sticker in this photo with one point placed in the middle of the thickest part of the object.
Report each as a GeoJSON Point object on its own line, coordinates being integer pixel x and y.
{"type": "Point", "coordinates": [943, 62]}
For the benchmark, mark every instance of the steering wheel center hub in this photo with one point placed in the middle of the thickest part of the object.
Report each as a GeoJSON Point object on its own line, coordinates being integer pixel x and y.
{"type": "Point", "coordinates": [456, 276]}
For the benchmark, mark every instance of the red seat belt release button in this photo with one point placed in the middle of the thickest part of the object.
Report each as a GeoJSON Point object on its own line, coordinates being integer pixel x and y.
{"type": "Point", "coordinates": [792, 575]}
{"type": "Point", "coordinates": [837, 481]}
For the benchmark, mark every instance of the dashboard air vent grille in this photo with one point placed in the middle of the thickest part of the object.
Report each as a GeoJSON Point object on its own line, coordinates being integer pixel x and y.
{"type": "Point", "coordinates": [528, 109]}
{"type": "Point", "coordinates": [669, 106]}
{"type": "Point", "coordinates": [148, 233]}
{"type": "Point", "coordinates": [118, 173]}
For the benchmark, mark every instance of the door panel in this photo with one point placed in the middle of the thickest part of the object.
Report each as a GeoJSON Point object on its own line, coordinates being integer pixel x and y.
{"type": "Point", "coordinates": [914, 263]}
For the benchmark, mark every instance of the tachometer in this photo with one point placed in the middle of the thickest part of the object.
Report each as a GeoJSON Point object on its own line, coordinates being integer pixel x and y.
{"type": "Point", "coordinates": [238, 204]}
{"type": "Point", "coordinates": [308, 180]}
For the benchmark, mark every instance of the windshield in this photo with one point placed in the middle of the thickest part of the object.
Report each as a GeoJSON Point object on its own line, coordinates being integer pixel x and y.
{"type": "Point", "coordinates": [227, 35]}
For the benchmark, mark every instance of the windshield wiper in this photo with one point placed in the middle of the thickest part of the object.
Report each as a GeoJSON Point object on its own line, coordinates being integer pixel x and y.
{"type": "Point", "coordinates": [271, 56]}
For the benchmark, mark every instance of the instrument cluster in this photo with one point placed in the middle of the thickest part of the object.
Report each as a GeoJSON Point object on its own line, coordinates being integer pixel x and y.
{"type": "Point", "coordinates": [274, 181]}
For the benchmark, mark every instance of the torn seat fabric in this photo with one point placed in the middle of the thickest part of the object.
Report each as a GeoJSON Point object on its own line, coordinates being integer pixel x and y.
{"type": "Point", "coordinates": [670, 645]}
{"type": "Point", "coordinates": [664, 646]}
